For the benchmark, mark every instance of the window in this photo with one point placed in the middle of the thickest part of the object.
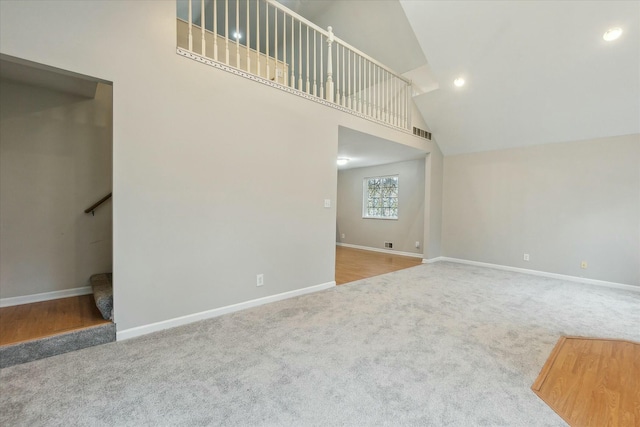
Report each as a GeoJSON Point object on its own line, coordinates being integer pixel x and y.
{"type": "Point", "coordinates": [380, 197]}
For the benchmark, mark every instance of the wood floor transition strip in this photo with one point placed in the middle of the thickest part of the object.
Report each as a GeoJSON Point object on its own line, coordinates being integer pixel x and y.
{"type": "Point", "coordinates": [592, 381]}
{"type": "Point", "coordinates": [548, 364]}
{"type": "Point", "coordinates": [356, 264]}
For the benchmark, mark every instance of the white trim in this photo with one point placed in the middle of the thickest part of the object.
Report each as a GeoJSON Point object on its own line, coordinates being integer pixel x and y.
{"type": "Point", "coordinates": [432, 260]}
{"type": "Point", "coordinates": [384, 251]}
{"type": "Point", "coordinates": [585, 280]}
{"type": "Point", "coordinates": [231, 69]}
{"type": "Point", "coordinates": [45, 296]}
{"type": "Point", "coordinates": [190, 318]}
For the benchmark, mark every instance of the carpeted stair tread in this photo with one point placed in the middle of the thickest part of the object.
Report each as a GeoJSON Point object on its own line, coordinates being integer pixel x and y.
{"type": "Point", "coordinates": [102, 285]}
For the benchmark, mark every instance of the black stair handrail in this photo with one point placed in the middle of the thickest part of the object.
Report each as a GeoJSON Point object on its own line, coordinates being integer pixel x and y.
{"type": "Point", "coordinates": [93, 207]}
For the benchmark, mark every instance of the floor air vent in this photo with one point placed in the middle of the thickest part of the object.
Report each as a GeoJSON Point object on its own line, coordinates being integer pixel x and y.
{"type": "Point", "coordinates": [422, 133]}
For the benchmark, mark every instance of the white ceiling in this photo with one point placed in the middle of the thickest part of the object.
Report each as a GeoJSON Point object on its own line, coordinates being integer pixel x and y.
{"type": "Point", "coordinates": [367, 150]}
{"type": "Point", "coordinates": [30, 73]}
{"type": "Point", "coordinates": [537, 71]}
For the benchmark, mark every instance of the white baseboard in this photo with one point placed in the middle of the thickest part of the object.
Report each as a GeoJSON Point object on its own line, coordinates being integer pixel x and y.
{"type": "Point", "coordinates": [385, 251]}
{"type": "Point", "coordinates": [431, 260]}
{"type": "Point", "coordinates": [542, 274]}
{"type": "Point", "coordinates": [190, 318]}
{"type": "Point", "coordinates": [45, 296]}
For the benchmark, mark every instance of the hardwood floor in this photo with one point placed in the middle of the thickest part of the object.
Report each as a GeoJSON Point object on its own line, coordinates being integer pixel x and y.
{"type": "Point", "coordinates": [592, 382]}
{"type": "Point", "coordinates": [41, 319]}
{"type": "Point", "coordinates": [355, 264]}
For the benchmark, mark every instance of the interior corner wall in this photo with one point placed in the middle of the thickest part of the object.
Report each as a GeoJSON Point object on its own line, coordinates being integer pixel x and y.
{"type": "Point", "coordinates": [561, 203]}
{"type": "Point", "coordinates": [55, 161]}
{"type": "Point", "coordinates": [372, 233]}
{"type": "Point", "coordinates": [434, 163]}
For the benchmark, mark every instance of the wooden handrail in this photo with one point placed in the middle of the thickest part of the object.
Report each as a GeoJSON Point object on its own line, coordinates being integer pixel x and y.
{"type": "Point", "coordinates": [93, 207]}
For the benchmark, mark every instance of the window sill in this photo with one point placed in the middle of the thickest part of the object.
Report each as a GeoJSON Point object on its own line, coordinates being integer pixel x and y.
{"type": "Point", "coordinates": [381, 217]}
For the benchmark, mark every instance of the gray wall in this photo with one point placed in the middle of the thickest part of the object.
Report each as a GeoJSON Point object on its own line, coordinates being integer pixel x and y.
{"type": "Point", "coordinates": [369, 232]}
{"type": "Point", "coordinates": [216, 178]}
{"type": "Point", "coordinates": [561, 203]}
{"type": "Point", "coordinates": [55, 161]}
{"type": "Point", "coordinates": [433, 199]}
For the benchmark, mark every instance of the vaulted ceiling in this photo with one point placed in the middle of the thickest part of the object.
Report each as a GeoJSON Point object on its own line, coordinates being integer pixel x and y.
{"type": "Point", "coordinates": [536, 72]}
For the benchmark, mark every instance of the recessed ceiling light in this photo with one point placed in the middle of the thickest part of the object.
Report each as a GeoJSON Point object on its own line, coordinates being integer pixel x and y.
{"type": "Point", "coordinates": [342, 161]}
{"type": "Point", "coordinates": [612, 34]}
{"type": "Point", "coordinates": [459, 82]}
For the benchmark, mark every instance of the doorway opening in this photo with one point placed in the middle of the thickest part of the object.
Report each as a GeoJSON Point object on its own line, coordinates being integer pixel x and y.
{"type": "Point", "coordinates": [56, 145]}
{"type": "Point", "coordinates": [369, 244]}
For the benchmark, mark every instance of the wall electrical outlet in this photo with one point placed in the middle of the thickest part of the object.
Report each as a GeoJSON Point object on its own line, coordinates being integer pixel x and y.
{"type": "Point", "coordinates": [526, 257]}
{"type": "Point", "coordinates": [260, 280]}
{"type": "Point", "coordinates": [417, 244]}
{"type": "Point", "coordinates": [584, 264]}
{"type": "Point", "coordinates": [388, 245]}
{"type": "Point", "coordinates": [327, 203]}
{"type": "Point", "coordinates": [342, 236]}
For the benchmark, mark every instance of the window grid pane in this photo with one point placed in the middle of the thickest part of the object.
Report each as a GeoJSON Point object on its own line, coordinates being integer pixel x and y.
{"type": "Point", "coordinates": [381, 197]}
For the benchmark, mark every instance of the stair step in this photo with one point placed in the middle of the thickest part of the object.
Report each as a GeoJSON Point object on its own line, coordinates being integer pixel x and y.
{"type": "Point", "coordinates": [15, 354]}
{"type": "Point", "coordinates": [102, 285]}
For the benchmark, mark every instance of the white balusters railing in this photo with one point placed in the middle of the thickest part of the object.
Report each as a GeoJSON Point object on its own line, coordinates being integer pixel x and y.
{"type": "Point", "coordinates": [264, 38]}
